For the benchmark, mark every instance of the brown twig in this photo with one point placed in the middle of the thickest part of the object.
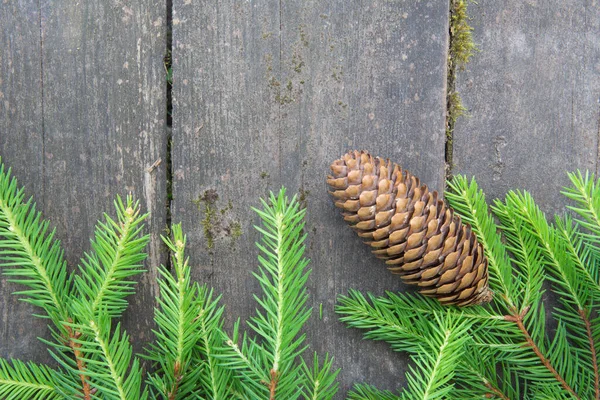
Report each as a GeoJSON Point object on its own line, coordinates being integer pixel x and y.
{"type": "Point", "coordinates": [495, 392]}
{"type": "Point", "coordinates": [177, 376]}
{"type": "Point", "coordinates": [517, 318]}
{"type": "Point", "coordinates": [273, 385]}
{"type": "Point", "coordinates": [588, 328]}
{"type": "Point", "coordinates": [87, 391]}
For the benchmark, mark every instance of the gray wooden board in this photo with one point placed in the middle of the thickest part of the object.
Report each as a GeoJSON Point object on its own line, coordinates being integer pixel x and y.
{"type": "Point", "coordinates": [83, 117]}
{"type": "Point", "coordinates": [21, 147]}
{"type": "Point", "coordinates": [532, 93]}
{"type": "Point", "coordinates": [269, 93]}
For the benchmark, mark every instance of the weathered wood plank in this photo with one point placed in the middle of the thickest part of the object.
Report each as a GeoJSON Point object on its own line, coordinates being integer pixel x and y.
{"type": "Point", "coordinates": [374, 78]}
{"type": "Point", "coordinates": [21, 147]}
{"type": "Point", "coordinates": [532, 95]}
{"type": "Point", "coordinates": [103, 124]}
{"type": "Point", "coordinates": [226, 149]}
{"type": "Point", "coordinates": [266, 96]}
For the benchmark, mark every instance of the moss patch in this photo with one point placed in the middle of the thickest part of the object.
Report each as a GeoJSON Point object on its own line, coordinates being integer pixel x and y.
{"type": "Point", "coordinates": [462, 46]}
{"type": "Point", "coordinates": [218, 221]}
{"type": "Point", "coordinates": [206, 202]}
{"type": "Point", "coordinates": [461, 49]}
{"type": "Point", "coordinates": [236, 230]}
{"type": "Point", "coordinates": [303, 197]}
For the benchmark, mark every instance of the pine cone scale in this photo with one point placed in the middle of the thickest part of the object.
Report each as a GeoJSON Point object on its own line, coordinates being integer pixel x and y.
{"type": "Point", "coordinates": [417, 235]}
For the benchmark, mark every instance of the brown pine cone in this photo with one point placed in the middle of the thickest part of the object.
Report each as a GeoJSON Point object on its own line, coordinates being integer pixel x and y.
{"type": "Point", "coordinates": [421, 238]}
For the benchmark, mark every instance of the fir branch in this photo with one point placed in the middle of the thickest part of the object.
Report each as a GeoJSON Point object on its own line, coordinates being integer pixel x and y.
{"type": "Point", "coordinates": [580, 253]}
{"type": "Point", "coordinates": [518, 320]}
{"type": "Point", "coordinates": [75, 348]}
{"type": "Point", "coordinates": [527, 257]}
{"type": "Point", "coordinates": [117, 255]}
{"type": "Point", "coordinates": [245, 361]}
{"type": "Point", "coordinates": [469, 201]}
{"type": "Point", "coordinates": [494, 391]}
{"type": "Point", "coordinates": [321, 384]}
{"type": "Point", "coordinates": [586, 193]}
{"type": "Point", "coordinates": [282, 276]}
{"type": "Point", "coordinates": [19, 380]}
{"type": "Point", "coordinates": [176, 376]}
{"type": "Point", "coordinates": [558, 262]}
{"type": "Point", "coordinates": [562, 271]}
{"type": "Point", "coordinates": [368, 392]}
{"type": "Point", "coordinates": [107, 356]}
{"type": "Point", "coordinates": [477, 376]}
{"type": "Point", "coordinates": [437, 361]}
{"type": "Point", "coordinates": [214, 378]}
{"type": "Point", "coordinates": [380, 321]}
{"type": "Point", "coordinates": [592, 345]}
{"type": "Point", "coordinates": [29, 254]}
{"type": "Point", "coordinates": [270, 359]}
{"type": "Point", "coordinates": [435, 342]}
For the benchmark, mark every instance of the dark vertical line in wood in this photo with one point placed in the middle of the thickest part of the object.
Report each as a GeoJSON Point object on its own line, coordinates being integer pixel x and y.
{"type": "Point", "coordinates": [450, 87]}
{"type": "Point", "coordinates": [598, 144]}
{"type": "Point", "coordinates": [279, 116]}
{"type": "Point", "coordinates": [169, 118]}
{"type": "Point", "coordinates": [169, 61]}
{"type": "Point", "coordinates": [43, 155]}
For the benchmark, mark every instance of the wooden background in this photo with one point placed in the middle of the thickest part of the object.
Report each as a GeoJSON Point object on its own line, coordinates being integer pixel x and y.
{"type": "Point", "coordinates": [267, 93]}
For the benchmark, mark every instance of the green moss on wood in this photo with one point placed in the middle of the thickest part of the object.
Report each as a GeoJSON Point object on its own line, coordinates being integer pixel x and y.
{"type": "Point", "coordinates": [235, 230]}
{"type": "Point", "coordinates": [461, 49]}
{"type": "Point", "coordinates": [206, 203]}
{"type": "Point", "coordinates": [462, 46]}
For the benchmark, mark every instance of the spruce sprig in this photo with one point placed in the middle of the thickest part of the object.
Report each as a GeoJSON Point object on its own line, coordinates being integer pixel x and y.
{"type": "Point", "coordinates": [96, 357]}
{"type": "Point", "coordinates": [192, 356]}
{"type": "Point", "coordinates": [117, 255]}
{"type": "Point", "coordinates": [19, 380]}
{"type": "Point", "coordinates": [29, 253]}
{"type": "Point", "coordinates": [508, 354]}
{"type": "Point", "coordinates": [268, 366]}
{"type": "Point", "coordinates": [189, 325]}
{"type": "Point", "coordinates": [112, 370]}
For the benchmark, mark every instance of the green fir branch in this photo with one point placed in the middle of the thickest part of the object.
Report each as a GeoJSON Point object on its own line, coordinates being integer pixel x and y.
{"type": "Point", "coordinates": [321, 384]}
{"type": "Point", "coordinates": [432, 377]}
{"type": "Point", "coordinates": [362, 391]}
{"type": "Point", "coordinates": [508, 354]}
{"type": "Point", "coordinates": [110, 368]}
{"type": "Point", "coordinates": [117, 254]}
{"type": "Point", "coordinates": [585, 191]}
{"type": "Point", "coordinates": [192, 356]}
{"type": "Point", "coordinates": [176, 375]}
{"type": "Point", "coordinates": [19, 380]}
{"type": "Point", "coordinates": [272, 358]}
{"type": "Point", "coordinates": [29, 254]}
{"type": "Point", "coordinates": [214, 379]}
{"type": "Point", "coordinates": [469, 201]}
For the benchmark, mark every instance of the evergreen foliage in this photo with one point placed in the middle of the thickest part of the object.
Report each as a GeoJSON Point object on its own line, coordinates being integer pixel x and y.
{"type": "Point", "coordinates": [503, 350]}
{"type": "Point", "coordinates": [192, 356]}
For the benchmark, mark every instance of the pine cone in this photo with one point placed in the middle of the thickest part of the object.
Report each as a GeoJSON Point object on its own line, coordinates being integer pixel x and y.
{"type": "Point", "coordinates": [421, 239]}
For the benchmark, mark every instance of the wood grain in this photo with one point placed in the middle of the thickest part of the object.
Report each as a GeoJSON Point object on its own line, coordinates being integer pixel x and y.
{"type": "Point", "coordinates": [95, 84]}
{"type": "Point", "coordinates": [532, 94]}
{"type": "Point", "coordinates": [268, 94]}
{"type": "Point", "coordinates": [21, 147]}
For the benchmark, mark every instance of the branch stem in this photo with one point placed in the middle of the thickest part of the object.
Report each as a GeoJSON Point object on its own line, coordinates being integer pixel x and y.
{"type": "Point", "coordinates": [272, 385]}
{"type": "Point", "coordinates": [85, 386]}
{"type": "Point", "coordinates": [496, 392]}
{"type": "Point", "coordinates": [588, 328]}
{"type": "Point", "coordinates": [177, 378]}
{"type": "Point", "coordinates": [517, 317]}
